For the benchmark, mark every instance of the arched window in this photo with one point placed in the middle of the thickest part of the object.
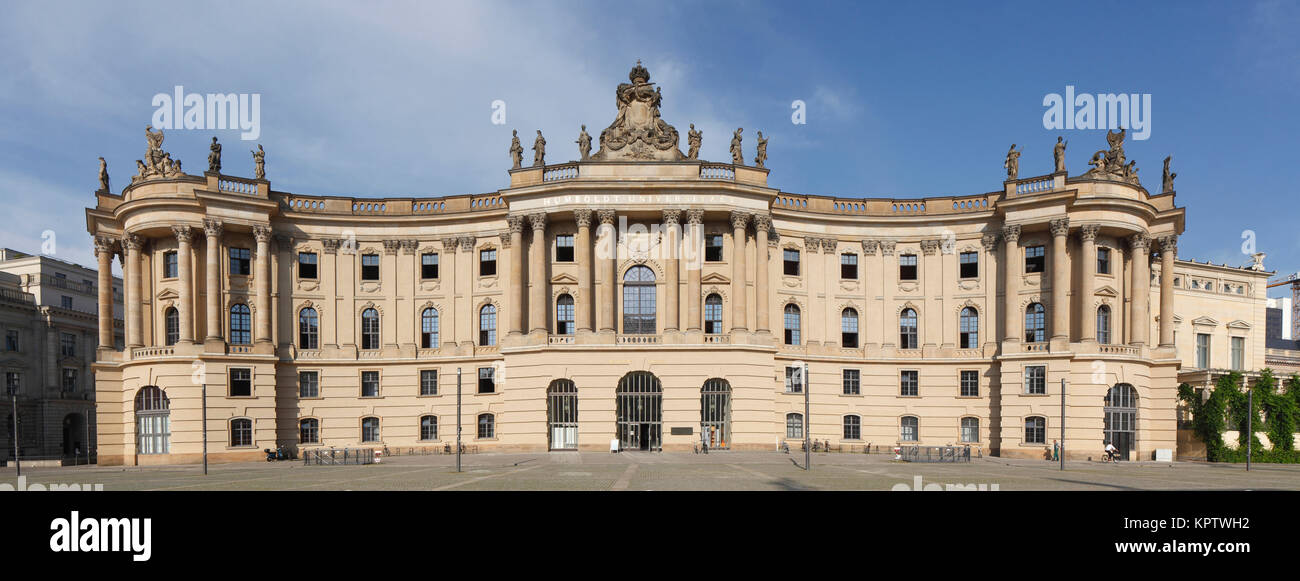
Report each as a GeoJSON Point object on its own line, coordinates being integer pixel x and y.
{"type": "Point", "coordinates": [907, 329]}
{"type": "Point", "coordinates": [1103, 325]}
{"type": "Point", "coordinates": [487, 325]}
{"type": "Point", "coordinates": [370, 429]}
{"type": "Point", "coordinates": [793, 425]}
{"type": "Point", "coordinates": [909, 429]}
{"type": "Point", "coordinates": [852, 428]}
{"type": "Point", "coordinates": [240, 329]}
{"type": "Point", "coordinates": [564, 315]}
{"type": "Point", "coordinates": [1035, 430]}
{"type": "Point", "coordinates": [639, 300]}
{"type": "Point", "coordinates": [309, 431]}
{"type": "Point", "coordinates": [562, 414]}
{"type": "Point", "coordinates": [970, 429]}
{"type": "Point", "coordinates": [172, 324]}
{"type": "Point", "coordinates": [241, 433]}
{"type": "Point", "coordinates": [849, 328]}
{"type": "Point", "coordinates": [370, 329]}
{"type": "Point", "coordinates": [713, 314]}
{"type": "Point", "coordinates": [969, 328]}
{"type": "Point", "coordinates": [792, 324]}
{"type": "Point", "coordinates": [152, 421]}
{"type": "Point", "coordinates": [428, 427]}
{"type": "Point", "coordinates": [1035, 323]}
{"type": "Point", "coordinates": [715, 413]}
{"type": "Point", "coordinates": [308, 329]}
{"type": "Point", "coordinates": [429, 328]}
{"type": "Point", "coordinates": [486, 426]}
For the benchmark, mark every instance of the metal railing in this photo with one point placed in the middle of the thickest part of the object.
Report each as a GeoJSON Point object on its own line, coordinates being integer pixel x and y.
{"type": "Point", "coordinates": [338, 456]}
{"type": "Point", "coordinates": [934, 453]}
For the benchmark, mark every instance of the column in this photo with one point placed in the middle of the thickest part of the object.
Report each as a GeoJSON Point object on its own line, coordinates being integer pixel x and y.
{"type": "Point", "coordinates": [738, 311]}
{"type": "Point", "coordinates": [212, 268]}
{"type": "Point", "coordinates": [185, 306]}
{"type": "Point", "coordinates": [669, 248]}
{"type": "Point", "coordinates": [871, 292]}
{"type": "Point", "coordinates": [448, 334]}
{"type": "Point", "coordinates": [584, 304]}
{"type": "Point", "coordinates": [1168, 253]}
{"type": "Point", "coordinates": [1011, 286]}
{"type": "Point", "coordinates": [888, 288]}
{"type": "Point", "coordinates": [262, 293]}
{"type": "Point", "coordinates": [104, 254]}
{"type": "Point", "coordinates": [516, 298]}
{"type": "Point", "coordinates": [762, 242]}
{"type": "Point", "coordinates": [1060, 280]}
{"type": "Point", "coordinates": [606, 253]}
{"type": "Point", "coordinates": [695, 223]}
{"type": "Point", "coordinates": [1087, 314]}
{"type": "Point", "coordinates": [467, 327]}
{"type": "Point", "coordinates": [989, 278]}
{"type": "Point", "coordinates": [1139, 317]}
{"type": "Point", "coordinates": [133, 243]}
{"type": "Point", "coordinates": [537, 279]}
{"type": "Point", "coordinates": [931, 326]}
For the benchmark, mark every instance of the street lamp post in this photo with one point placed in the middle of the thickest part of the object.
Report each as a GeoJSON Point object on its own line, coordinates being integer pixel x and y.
{"type": "Point", "coordinates": [1061, 451]}
{"type": "Point", "coordinates": [205, 427]}
{"type": "Point", "coordinates": [458, 419]}
{"type": "Point", "coordinates": [13, 400]}
{"type": "Point", "coordinates": [807, 420]}
{"type": "Point", "coordinates": [1250, 428]}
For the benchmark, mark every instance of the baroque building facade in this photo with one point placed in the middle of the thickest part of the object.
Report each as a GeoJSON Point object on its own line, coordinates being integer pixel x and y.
{"type": "Point", "coordinates": [645, 296]}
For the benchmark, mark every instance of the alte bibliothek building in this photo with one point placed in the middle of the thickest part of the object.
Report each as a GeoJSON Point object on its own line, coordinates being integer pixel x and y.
{"type": "Point", "coordinates": [644, 295]}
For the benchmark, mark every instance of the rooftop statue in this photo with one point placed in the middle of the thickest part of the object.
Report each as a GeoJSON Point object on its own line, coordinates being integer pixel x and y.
{"type": "Point", "coordinates": [1167, 180]}
{"type": "Point", "coordinates": [584, 144]}
{"type": "Point", "coordinates": [157, 163]}
{"type": "Point", "coordinates": [693, 139]}
{"type": "Point", "coordinates": [1058, 153]}
{"type": "Point", "coordinates": [516, 150]}
{"type": "Point", "coordinates": [637, 132]}
{"type": "Point", "coordinates": [1110, 164]}
{"type": "Point", "coordinates": [259, 163]}
{"type": "Point", "coordinates": [539, 150]}
{"type": "Point", "coordinates": [762, 150]}
{"type": "Point", "coordinates": [214, 158]}
{"type": "Point", "coordinates": [103, 175]}
{"type": "Point", "coordinates": [737, 157]}
{"type": "Point", "coordinates": [1012, 163]}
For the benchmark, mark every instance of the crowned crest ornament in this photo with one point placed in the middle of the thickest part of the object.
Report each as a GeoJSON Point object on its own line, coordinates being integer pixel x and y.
{"type": "Point", "coordinates": [637, 132]}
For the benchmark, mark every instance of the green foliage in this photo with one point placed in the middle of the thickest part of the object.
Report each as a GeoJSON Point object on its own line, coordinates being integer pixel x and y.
{"type": "Point", "coordinates": [1228, 406]}
{"type": "Point", "coordinates": [1280, 410]}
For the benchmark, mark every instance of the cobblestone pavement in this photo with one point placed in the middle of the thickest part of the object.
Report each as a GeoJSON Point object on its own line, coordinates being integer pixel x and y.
{"type": "Point", "coordinates": [720, 470]}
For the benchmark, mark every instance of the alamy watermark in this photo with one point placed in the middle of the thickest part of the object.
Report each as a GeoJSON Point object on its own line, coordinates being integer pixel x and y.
{"type": "Point", "coordinates": [181, 110]}
{"type": "Point", "coordinates": [1130, 111]}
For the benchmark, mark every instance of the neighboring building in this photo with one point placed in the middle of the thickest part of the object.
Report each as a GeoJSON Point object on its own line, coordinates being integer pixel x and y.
{"type": "Point", "coordinates": [1282, 353]}
{"type": "Point", "coordinates": [48, 318]}
{"type": "Point", "coordinates": [334, 321]}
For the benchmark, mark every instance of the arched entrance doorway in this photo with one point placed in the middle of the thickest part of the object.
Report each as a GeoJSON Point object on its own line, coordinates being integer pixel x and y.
{"type": "Point", "coordinates": [715, 413]}
{"type": "Point", "coordinates": [562, 415]}
{"type": "Point", "coordinates": [1121, 418]}
{"type": "Point", "coordinates": [74, 435]}
{"type": "Point", "coordinates": [640, 411]}
{"type": "Point", "coordinates": [152, 421]}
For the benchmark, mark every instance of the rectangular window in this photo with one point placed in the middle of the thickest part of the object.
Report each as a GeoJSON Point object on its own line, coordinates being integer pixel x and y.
{"type": "Point", "coordinates": [369, 267]}
{"type": "Point", "coordinates": [487, 262]}
{"type": "Point", "coordinates": [307, 265]}
{"type": "Point", "coordinates": [429, 266]}
{"type": "Point", "coordinates": [13, 381]}
{"type": "Point", "coordinates": [713, 248]}
{"type": "Point", "coordinates": [970, 429]}
{"type": "Point", "coordinates": [909, 383]}
{"type": "Point", "coordinates": [68, 344]}
{"type": "Point", "coordinates": [1203, 350]}
{"type": "Point", "coordinates": [65, 302]}
{"type": "Point", "coordinates": [791, 261]}
{"type": "Point", "coordinates": [794, 379]}
{"type": "Point", "coordinates": [849, 266]}
{"type": "Point", "coordinates": [1239, 353]}
{"type": "Point", "coordinates": [852, 382]}
{"type": "Point", "coordinates": [907, 267]}
{"type": "Point", "coordinates": [308, 384]}
{"type": "Point", "coordinates": [170, 267]}
{"type": "Point", "coordinates": [1034, 260]}
{"type": "Point", "coordinates": [429, 382]}
{"type": "Point", "coordinates": [1103, 261]}
{"type": "Point", "coordinates": [241, 382]}
{"type": "Point", "coordinates": [564, 248]}
{"type": "Point", "coordinates": [1036, 380]}
{"type": "Point", "coordinates": [69, 379]}
{"type": "Point", "coordinates": [969, 265]}
{"type": "Point", "coordinates": [487, 380]}
{"type": "Point", "coordinates": [970, 384]}
{"type": "Point", "coordinates": [369, 384]}
{"type": "Point", "coordinates": [239, 261]}
{"type": "Point", "coordinates": [794, 426]}
{"type": "Point", "coordinates": [11, 340]}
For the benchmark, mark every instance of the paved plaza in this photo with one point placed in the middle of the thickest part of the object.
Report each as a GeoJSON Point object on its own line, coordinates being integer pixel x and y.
{"type": "Point", "coordinates": [671, 471]}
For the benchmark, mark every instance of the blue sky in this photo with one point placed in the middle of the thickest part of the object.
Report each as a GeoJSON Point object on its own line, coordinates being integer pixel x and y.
{"type": "Point", "coordinates": [904, 99]}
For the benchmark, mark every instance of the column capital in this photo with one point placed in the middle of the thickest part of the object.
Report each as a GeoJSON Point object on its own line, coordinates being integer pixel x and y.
{"type": "Point", "coordinates": [450, 243]}
{"type": "Point", "coordinates": [694, 216]}
{"type": "Point", "coordinates": [212, 227]}
{"type": "Point", "coordinates": [887, 247]}
{"type": "Point", "coordinates": [739, 219]}
{"type": "Point", "coordinates": [1060, 226]}
{"type": "Point", "coordinates": [583, 217]}
{"type": "Point", "coordinates": [989, 241]}
{"type": "Point", "coordinates": [1088, 232]}
{"type": "Point", "coordinates": [929, 247]}
{"type": "Point", "coordinates": [184, 234]}
{"type": "Point", "coordinates": [132, 242]}
{"type": "Point", "coordinates": [505, 238]}
{"type": "Point", "coordinates": [466, 243]}
{"type": "Point", "coordinates": [262, 233]}
{"type": "Point", "coordinates": [830, 245]}
{"type": "Point", "coordinates": [773, 238]}
{"type": "Point", "coordinates": [537, 220]}
{"type": "Point", "coordinates": [391, 246]}
{"type": "Point", "coordinates": [606, 216]}
{"type": "Point", "coordinates": [762, 223]}
{"type": "Point", "coordinates": [1011, 233]}
{"type": "Point", "coordinates": [515, 223]}
{"type": "Point", "coordinates": [330, 245]}
{"type": "Point", "coordinates": [1139, 241]}
{"type": "Point", "coordinates": [870, 247]}
{"type": "Point", "coordinates": [812, 244]}
{"type": "Point", "coordinates": [672, 217]}
{"type": "Point", "coordinates": [409, 245]}
{"type": "Point", "coordinates": [105, 245]}
{"type": "Point", "coordinates": [1168, 244]}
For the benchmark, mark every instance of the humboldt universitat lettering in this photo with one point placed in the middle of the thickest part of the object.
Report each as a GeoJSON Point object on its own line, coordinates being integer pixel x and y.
{"type": "Point", "coordinates": [643, 295]}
